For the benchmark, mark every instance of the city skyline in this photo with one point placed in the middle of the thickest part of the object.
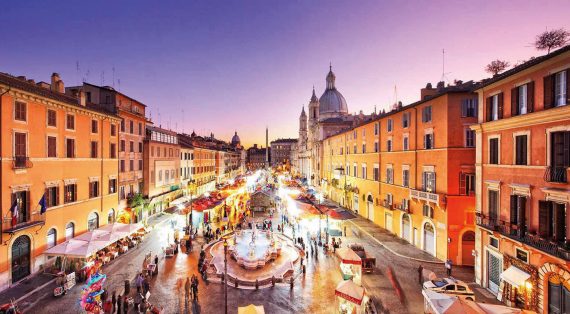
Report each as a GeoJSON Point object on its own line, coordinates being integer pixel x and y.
{"type": "Point", "coordinates": [176, 59]}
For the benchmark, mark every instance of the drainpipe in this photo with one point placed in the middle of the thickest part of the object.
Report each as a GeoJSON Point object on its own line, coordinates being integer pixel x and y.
{"type": "Point", "coordinates": [416, 148]}
{"type": "Point", "coordinates": [1, 156]}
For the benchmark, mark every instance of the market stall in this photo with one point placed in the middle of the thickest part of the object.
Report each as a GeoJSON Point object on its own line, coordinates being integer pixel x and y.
{"type": "Point", "coordinates": [350, 264]}
{"type": "Point", "coordinates": [350, 298]}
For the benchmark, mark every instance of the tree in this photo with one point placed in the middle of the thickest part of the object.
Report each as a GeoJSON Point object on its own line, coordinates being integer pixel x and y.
{"type": "Point", "coordinates": [552, 39]}
{"type": "Point", "coordinates": [496, 67]}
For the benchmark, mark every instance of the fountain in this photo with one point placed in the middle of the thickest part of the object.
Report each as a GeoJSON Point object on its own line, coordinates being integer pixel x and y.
{"type": "Point", "coordinates": [252, 251]}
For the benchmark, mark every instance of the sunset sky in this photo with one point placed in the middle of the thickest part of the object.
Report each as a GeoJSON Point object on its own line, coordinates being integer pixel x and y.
{"type": "Point", "coordinates": [220, 66]}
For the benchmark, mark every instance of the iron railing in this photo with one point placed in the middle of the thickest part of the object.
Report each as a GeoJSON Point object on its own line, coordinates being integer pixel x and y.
{"type": "Point", "coordinates": [555, 174]}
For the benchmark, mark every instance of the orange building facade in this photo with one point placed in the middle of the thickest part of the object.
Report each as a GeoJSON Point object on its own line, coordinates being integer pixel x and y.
{"type": "Point", "coordinates": [411, 171]}
{"type": "Point", "coordinates": [523, 194]}
{"type": "Point", "coordinates": [58, 147]}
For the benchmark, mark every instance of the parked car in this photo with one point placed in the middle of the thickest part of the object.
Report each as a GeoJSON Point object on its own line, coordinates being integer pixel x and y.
{"type": "Point", "coordinates": [450, 286]}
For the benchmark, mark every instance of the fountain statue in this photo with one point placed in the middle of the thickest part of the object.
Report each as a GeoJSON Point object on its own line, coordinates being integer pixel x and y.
{"type": "Point", "coordinates": [251, 251]}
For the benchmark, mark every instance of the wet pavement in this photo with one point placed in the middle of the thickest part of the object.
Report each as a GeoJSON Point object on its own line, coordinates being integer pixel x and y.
{"type": "Point", "coordinates": [311, 293]}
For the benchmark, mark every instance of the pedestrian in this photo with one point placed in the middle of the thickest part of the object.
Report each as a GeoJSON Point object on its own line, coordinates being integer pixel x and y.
{"type": "Point", "coordinates": [125, 305]}
{"type": "Point", "coordinates": [156, 260]}
{"type": "Point", "coordinates": [138, 300]}
{"type": "Point", "coordinates": [139, 282]}
{"type": "Point", "coordinates": [146, 285]}
{"type": "Point", "coordinates": [114, 301]}
{"type": "Point", "coordinates": [448, 266]}
{"type": "Point", "coordinates": [187, 288]}
{"type": "Point", "coordinates": [420, 274]}
{"type": "Point", "coordinates": [119, 304]}
{"type": "Point", "coordinates": [345, 231]}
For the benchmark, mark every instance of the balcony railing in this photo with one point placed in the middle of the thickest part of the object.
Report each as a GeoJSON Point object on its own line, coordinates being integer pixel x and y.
{"type": "Point", "coordinates": [35, 219]}
{"type": "Point", "coordinates": [21, 162]}
{"type": "Point", "coordinates": [424, 196]}
{"type": "Point", "coordinates": [555, 174]}
{"type": "Point", "coordinates": [520, 234]}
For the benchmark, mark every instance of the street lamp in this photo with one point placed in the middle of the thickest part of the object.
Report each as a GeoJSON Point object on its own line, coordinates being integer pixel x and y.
{"type": "Point", "coordinates": [226, 275]}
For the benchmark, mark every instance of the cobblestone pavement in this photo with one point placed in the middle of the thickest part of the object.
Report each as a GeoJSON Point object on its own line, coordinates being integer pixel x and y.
{"type": "Point", "coordinates": [312, 293]}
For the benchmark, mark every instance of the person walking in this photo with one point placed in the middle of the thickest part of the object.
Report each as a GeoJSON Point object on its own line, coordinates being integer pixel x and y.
{"type": "Point", "coordinates": [138, 300]}
{"type": "Point", "coordinates": [187, 287]}
{"type": "Point", "coordinates": [420, 274]}
{"type": "Point", "coordinates": [448, 266]}
{"type": "Point", "coordinates": [146, 285]}
{"type": "Point", "coordinates": [139, 282]}
{"type": "Point", "coordinates": [114, 301]}
{"type": "Point", "coordinates": [119, 304]}
{"type": "Point", "coordinates": [125, 305]}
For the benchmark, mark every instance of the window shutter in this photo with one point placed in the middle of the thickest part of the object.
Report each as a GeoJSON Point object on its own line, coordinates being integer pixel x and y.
{"type": "Point", "coordinates": [514, 101]}
{"type": "Point", "coordinates": [476, 106]}
{"type": "Point", "coordinates": [544, 218]}
{"type": "Point", "coordinates": [566, 160]}
{"type": "Point", "coordinates": [530, 97]}
{"type": "Point", "coordinates": [568, 87]}
{"type": "Point", "coordinates": [488, 108]}
{"type": "Point", "coordinates": [423, 181]}
{"type": "Point", "coordinates": [514, 212]}
{"type": "Point", "coordinates": [464, 108]}
{"type": "Point", "coordinates": [462, 185]}
{"type": "Point", "coordinates": [500, 106]}
{"type": "Point", "coordinates": [560, 223]}
{"type": "Point", "coordinates": [548, 92]}
{"type": "Point", "coordinates": [522, 212]}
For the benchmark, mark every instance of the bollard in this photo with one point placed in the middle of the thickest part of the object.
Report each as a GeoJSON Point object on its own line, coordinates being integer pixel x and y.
{"type": "Point", "coordinates": [291, 283]}
{"type": "Point", "coordinates": [304, 270]}
{"type": "Point", "coordinates": [223, 277]}
{"type": "Point", "coordinates": [236, 283]}
{"type": "Point", "coordinates": [256, 284]}
{"type": "Point", "coordinates": [273, 281]}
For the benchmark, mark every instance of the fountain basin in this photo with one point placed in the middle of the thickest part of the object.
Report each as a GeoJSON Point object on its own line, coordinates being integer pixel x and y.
{"type": "Point", "coordinates": [254, 249]}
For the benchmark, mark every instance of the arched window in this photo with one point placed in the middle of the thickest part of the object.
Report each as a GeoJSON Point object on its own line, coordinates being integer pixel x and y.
{"type": "Point", "coordinates": [111, 217]}
{"type": "Point", "coordinates": [69, 231]}
{"type": "Point", "coordinates": [92, 221]}
{"type": "Point", "coordinates": [51, 238]}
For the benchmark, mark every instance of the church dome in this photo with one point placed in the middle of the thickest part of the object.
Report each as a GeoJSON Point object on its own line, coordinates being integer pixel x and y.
{"type": "Point", "coordinates": [235, 139]}
{"type": "Point", "coordinates": [332, 102]}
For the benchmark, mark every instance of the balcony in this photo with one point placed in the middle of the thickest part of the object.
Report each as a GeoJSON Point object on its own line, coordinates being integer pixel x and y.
{"type": "Point", "coordinates": [388, 205]}
{"type": "Point", "coordinates": [21, 162]}
{"type": "Point", "coordinates": [556, 174]}
{"type": "Point", "coordinates": [424, 196]}
{"type": "Point", "coordinates": [36, 219]}
{"type": "Point", "coordinates": [519, 234]}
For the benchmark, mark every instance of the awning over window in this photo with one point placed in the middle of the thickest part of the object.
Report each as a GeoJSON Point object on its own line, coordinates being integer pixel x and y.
{"type": "Point", "coordinates": [515, 276]}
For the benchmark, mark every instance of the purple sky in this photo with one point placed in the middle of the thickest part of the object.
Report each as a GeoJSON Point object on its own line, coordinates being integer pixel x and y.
{"type": "Point", "coordinates": [242, 65]}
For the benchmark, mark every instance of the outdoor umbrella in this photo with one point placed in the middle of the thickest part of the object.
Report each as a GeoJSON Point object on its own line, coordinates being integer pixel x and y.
{"type": "Point", "coordinates": [348, 256]}
{"type": "Point", "coordinates": [350, 291]}
{"type": "Point", "coordinates": [251, 309]}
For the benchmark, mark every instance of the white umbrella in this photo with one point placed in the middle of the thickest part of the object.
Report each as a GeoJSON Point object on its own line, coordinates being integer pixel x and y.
{"type": "Point", "coordinates": [350, 291]}
{"type": "Point", "coordinates": [251, 309]}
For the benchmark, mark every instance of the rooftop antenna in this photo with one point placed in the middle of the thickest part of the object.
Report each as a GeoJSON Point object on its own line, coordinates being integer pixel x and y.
{"type": "Point", "coordinates": [159, 120]}
{"type": "Point", "coordinates": [102, 78]}
{"type": "Point", "coordinates": [119, 84]}
{"type": "Point", "coordinates": [77, 69]}
{"type": "Point", "coordinates": [86, 77]}
{"type": "Point", "coordinates": [443, 73]}
{"type": "Point", "coordinates": [113, 84]}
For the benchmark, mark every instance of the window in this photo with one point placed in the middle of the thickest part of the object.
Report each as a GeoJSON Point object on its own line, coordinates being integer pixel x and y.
{"type": "Point", "coordinates": [375, 147]}
{"type": "Point", "coordinates": [51, 238]}
{"type": "Point", "coordinates": [469, 108]}
{"type": "Point", "coordinates": [521, 149]}
{"type": "Point", "coordinates": [20, 147]}
{"type": "Point", "coordinates": [376, 173]}
{"type": "Point", "coordinates": [493, 204]}
{"type": "Point", "coordinates": [94, 150]}
{"type": "Point", "coordinates": [93, 189]}
{"type": "Point", "coordinates": [122, 146]}
{"type": "Point", "coordinates": [494, 242]}
{"type": "Point", "coordinates": [521, 255]}
{"type": "Point", "coordinates": [70, 148]}
{"type": "Point", "coordinates": [376, 128]}
{"type": "Point", "coordinates": [363, 148]}
{"type": "Point", "coordinates": [131, 165]}
{"type": "Point", "coordinates": [22, 199]}
{"type": "Point", "coordinates": [428, 181]}
{"type": "Point", "coordinates": [20, 111]}
{"type": "Point", "coordinates": [560, 88]}
{"type": "Point", "coordinates": [140, 128]}
{"type": "Point", "coordinates": [495, 107]}
{"type": "Point", "coordinates": [159, 175]}
{"type": "Point", "coordinates": [427, 211]}
{"type": "Point", "coordinates": [94, 126]}
{"type": "Point", "coordinates": [426, 114]}
{"type": "Point", "coordinates": [354, 148]}
{"type": "Point", "coordinates": [466, 183]}
{"type": "Point", "coordinates": [355, 171]}
{"type": "Point", "coordinates": [113, 130]}
{"type": "Point", "coordinates": [552, 221]}
{"type": "Point", "coordinates": [406, 119]}
{"type": "Point", "coordinates": [70, 122]}
{"type": "Point", "coordinates": [406, 177]}
{"type": "Point", "coordinates": [140, 147]}
{"type": "Point", "coordinates": [131, 146]}
{"type": "Point", "coordinates": [469, 138]}
{"type": "Point", "coordinates": [363, 132]}
{"type": "Point", "coordinates": [132, 127]}
{"type": "Point", "coordinates": [140, 164]}
{"type": "Point", "coordinates": [428, 141]}
{"type": "Point", "coordinates": [70, 193]}
{"type": "Point", "coordinates": [522, 98]}
{"type": "Point", "coordinates": [389, 125]}
{"type": "Point", "coordinates": [52, 196]}
{"type": "Point", "coordinates": [51, 146]}
{"type": "Point", "coordinates": [122, 166]}
{"type": "Point", "coordinates": [51, 118]}
{"type": "Point", "coordinates": [122, 125]}
{"type": "Point", "coordinates": [364, 172]}
{"type": "Point", "coordinates": [113, 150]}
{"type": "Point", "coordinates": [389, 145]}
{"type": "Point", "coordinates": [92, 221]}
{"type": "Point", "coordinates": [494, 151]}
{"type": "Point", "coordinates": [390, 175]}
{"type": "Point", "coordinates": [69, 231]}
{"type": "Point", "coordinates": [518, 214]}
{"type": "Point", "coordinates": [112, 186]}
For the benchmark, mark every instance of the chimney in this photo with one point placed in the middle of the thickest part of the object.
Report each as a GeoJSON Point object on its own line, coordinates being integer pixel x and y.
{"type": "Point", "coordinates": [82, 98]}
{"type": "Point", "coordinates": [21, 77]}
{"type": "Point", "coordinates": [427, 91]}
{"type": "Point", "coordinates": [57, 83]}
{"type": "Point", "coordinates": [440, 85]}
